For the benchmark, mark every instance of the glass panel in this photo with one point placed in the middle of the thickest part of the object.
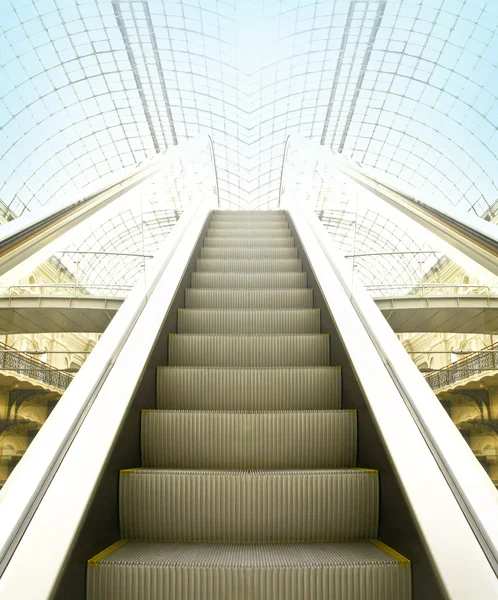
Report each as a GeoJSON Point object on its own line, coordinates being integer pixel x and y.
{"type": "Point", "coordinates": [57, 304]}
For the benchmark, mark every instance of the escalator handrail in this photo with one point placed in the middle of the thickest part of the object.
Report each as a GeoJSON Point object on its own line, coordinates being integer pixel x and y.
{"type": "Point", "coordinates": [471, 235]}
{"type": "Point", "coordinates": [466, 482]}
{"type": "Point", "coordinates": [25, 489]}
{"type": "Point", "coordinates": [27, 234]}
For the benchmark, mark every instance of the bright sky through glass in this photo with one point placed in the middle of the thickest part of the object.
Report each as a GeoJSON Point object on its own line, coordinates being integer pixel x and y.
{"type": "Point", "coordinates": [408, 87]}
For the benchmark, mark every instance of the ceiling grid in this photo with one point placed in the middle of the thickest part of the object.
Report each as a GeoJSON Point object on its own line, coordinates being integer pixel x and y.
{"type": "Point", "coordinates": [407, 87]}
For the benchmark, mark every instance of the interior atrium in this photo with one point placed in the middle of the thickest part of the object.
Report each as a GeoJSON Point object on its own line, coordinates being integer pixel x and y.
{"type": "Point", "coordinates": [353, 110]}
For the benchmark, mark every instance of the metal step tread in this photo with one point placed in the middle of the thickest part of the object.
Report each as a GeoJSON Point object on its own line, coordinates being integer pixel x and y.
{"type": "Point", "coordinates": [264, 298]}
{"type": "Point", "coordinates": [366, 570]}
{"type": "Point", "coordinates": [249, 253]}
{"type": "Point", "coordinates": [249, 224]}
{"type": "Point", "coordinates": [249, 281]}
{"type": "Point", "coordinates": [249, 350]}
{"type": "Point", "coordinates": [251, 388]}
{"type": "Point", "coordinates": [248, 265]}
{"type": "Point", "coordinates": [242, 505]}
{"type": "Point", "coordinates": [318, 439]}
{"type": "Point", "coordinates": [246, 321]}
{"type": "Point", "coordinates": [249, 242]}
{"type": "Point", "coordinates": [249, 216]}
{"type": "Point", "coordinates": [255, 232]}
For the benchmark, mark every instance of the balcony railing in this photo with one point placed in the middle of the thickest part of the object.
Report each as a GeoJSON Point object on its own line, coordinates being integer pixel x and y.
{"type": "Point", "coordinates": [465, 368]}
{"type": "Point", "coordinates": [24, 365]}
{"type": "Point", "coordinates": [66, 289]}
{"type": "Point", "coordinates": [432, 289]}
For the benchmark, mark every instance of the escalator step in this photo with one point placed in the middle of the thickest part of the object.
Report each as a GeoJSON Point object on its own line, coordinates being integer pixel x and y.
{"type": "Point", "coordinates": [252, 242]}
{"type": "Point", "coordinates": [249, 224]}
{"type": "Point", "coordinates": [248, 440]}
{"type": "Point", "coordinates": [182, 571]}
{"type": "Point", "coordinates": [248, 506]}
{"type": "Point", "coordinates": [249, 321]}
{"type": "Point", "coordinates": [247, 233]}
{"type": "Point", "coordinates": [254, 265]}
{"type": "Point", "coordinates": [248, 298]}
{"type": "Point", "coordinates": [252, 215]}
{"type": "Point", "coordinates": [193, 350]}
{"type": "Point", "coordinates": [273, 388]}
{"type": "Point", "coordinates": [249, 281]}
{"type": "Point", "coordinates": [249, 253]}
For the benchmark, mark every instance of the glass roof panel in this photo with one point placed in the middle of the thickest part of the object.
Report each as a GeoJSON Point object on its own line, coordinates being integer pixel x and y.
{"type": "Point", "coordinates": [408, 87]}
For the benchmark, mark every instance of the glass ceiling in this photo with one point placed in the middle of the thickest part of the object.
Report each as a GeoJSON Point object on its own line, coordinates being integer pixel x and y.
{"type": "Point", "coordinates": [406, 86]}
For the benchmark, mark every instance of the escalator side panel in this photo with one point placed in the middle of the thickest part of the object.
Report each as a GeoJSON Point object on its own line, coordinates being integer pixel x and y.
{"type": "Point", "coordinates": [397, 527]}
{"type": "Point", "coordinates": [101, 525]}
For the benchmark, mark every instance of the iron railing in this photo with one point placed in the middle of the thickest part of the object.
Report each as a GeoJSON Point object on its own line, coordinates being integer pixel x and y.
{"type": "Point", "coordinates": [66, 289]}
{"type": "Point", "coordinates": [32, 368]}
{"type": "Point", "coordinates": [464, 369]}
{"type": "Point", "coordinates": [432, 289]}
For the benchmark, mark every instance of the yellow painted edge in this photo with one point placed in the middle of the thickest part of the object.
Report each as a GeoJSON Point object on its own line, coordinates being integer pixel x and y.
{"type": "Point", "coordinates": [98, 558]}
{"type": "Point", "coordinates": [130, 471]}
{"type": "Point", "coordinates": [352, 410]}
{"type": "Point", "coordinates": [402, 560]}
{"type": "Point", "coordinates": [369, 471]}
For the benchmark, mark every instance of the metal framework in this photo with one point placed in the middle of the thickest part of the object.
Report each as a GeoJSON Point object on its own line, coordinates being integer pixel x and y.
{"type": "Point", "coordinates": [92, 86]}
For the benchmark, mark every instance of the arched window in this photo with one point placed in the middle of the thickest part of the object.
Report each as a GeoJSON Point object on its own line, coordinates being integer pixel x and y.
{"type": "Point", "coordinates": [8, 451]}
{"type": "Point", "coordinates": [489, 450]}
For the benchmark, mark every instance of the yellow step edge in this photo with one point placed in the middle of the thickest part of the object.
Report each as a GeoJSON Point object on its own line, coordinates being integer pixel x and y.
{"type": "Point", "coordinates": [369, 471]}
{"type": "Point", "coordinates": [98, 558]}
{"type": "Point", "coordinates": [402, 560]}
{"type": "Point", "coordinates": [130, 471]}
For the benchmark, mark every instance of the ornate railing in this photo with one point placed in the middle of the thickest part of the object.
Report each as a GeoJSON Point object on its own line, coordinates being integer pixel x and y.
{"type": "Point", "coordinates": [66, 289]}
{"type": "Point", "coordinates": [432, 289]}
{"type": "Point", "coordinates": [11, 360]}
{"type": "Point", "coordinates": [486, 360]}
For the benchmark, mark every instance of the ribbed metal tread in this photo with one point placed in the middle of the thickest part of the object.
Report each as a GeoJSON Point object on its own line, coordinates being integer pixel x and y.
{"type": "Point", "coordinates": [248, 440]}
{"type": "Point", "coordinates": [264, 215]}
{"type": "Point", "coordinates": [251, 242]}
{"type": "Point", "coordinates": [265, 388]}
{"type": "Point", "coordinates": [249, 281]}
{"type": "Point", "coordinates": [249, 233]}
{"type": "Point", "coordinates": [246, 298]}
{"type": "Point", "coordinates": [251, 265]}
{"type": "Point", "coordinates": [180, 571]}
{"type": "Point", "coordinates": [249, 224]}
{"type": "Point", "coordinates": [248, 506]}
{"type": "Point", "coordinates": [249, 321]}
{"type": "Point", "coordinates": [249, 253]}
{"type": "Point", "coordinates": [204, 350]}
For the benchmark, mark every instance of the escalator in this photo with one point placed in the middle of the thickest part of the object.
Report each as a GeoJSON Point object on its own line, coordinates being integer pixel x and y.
{"type": "Point", "coordinates": [249, 485]}
{"type": "Point", "coordinates": [248, 427]}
